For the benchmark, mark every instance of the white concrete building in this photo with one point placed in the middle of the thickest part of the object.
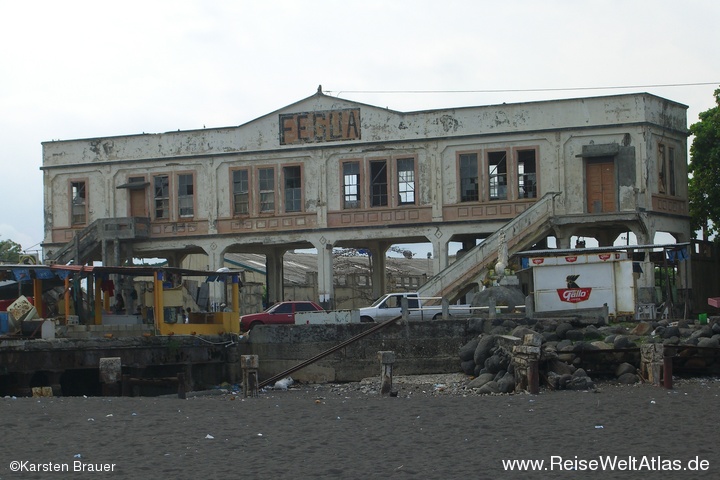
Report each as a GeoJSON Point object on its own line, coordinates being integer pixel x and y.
{"type": "Point", "coordinates": [327, 172]}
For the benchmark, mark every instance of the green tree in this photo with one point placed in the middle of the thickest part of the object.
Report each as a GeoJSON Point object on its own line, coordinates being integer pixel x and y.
{"type": "Point", "coordinates": [10, 251]}
{"type": "Point", "coordinates": [704, 184]}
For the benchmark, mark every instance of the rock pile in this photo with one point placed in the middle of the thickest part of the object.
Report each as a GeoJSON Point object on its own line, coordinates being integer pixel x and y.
{"type": "Point", "coordinates": [571, 352]}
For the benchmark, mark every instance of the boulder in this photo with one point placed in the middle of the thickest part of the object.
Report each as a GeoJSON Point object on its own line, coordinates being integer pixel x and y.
{"type": "Point", "coordinates": [628, 378]}
{"type": "Point", "coordinates": [671, 341]}
{"type": "Point", "coordinates": [580, 383]}
{"type": "Point", "coordinates": [671, 332]}
{"type": "Point", "coordinates": [484, 347]}
{"type": "Point", "coordinates": [500, 360]}
{"type": "Point", "coordinates": [624, 368]}
{"type": "Point", "coordinates": [481, 380]}
{"type": "Point", "coordinates": [490, 387]}
{"type": "Point", "coordinates": [521, 331]}
{"type": "Point", "coordinates": [468, 367]}
{"type": "Point", "coordinates": [642, 328]}
{"type": "Point", "coordinates": [507, 383]}
{"type": "Point", "coordinates": [562, 329]}
{"type": "Point", "coordinates": [467, 351]}
{"type": "Point", "coordinates": [711, 342]}
{"type": "Point", "coordinates": [591, 332]}
{"type": "Point", "coordinates": [715, 328]}
{"type": "Point", "coordinates": [601, 345]}
{"type": "Point", "coordinates": [575, 335]}
{"type": "Point", "coordinates": [622, 341]}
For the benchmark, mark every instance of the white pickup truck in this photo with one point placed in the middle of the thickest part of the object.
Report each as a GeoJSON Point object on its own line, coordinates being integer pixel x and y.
{"type": "Point", "coordinates": [390, 305]}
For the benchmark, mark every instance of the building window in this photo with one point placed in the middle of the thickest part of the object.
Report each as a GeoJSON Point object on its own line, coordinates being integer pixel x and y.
{"type": "Point", "coordinates": [469, 186]}
{"type": "Point", "coordinates": [351, 184]}
{"type": "Point", "coordinates": [662, 176]}
{"type": "Point", "coordinates": [378, 183]}
{"type": "Point", "coordinates": [241, 192]}
{"type": "Point", "coordinates": [79, 203]}
{"type": "Point", "coordinates": [671, 170]}
{"type": "Point", "coordinates": [293, 189]}
{"type": "Point", "coordinates": [526, 174]}
{"type": "Point", "coordinates": [186, 197]}
{"type": "Point", "coordinates": [497, 175]}
{"type": "Point", "coordinates": [266, 186]}
{"type": "Point", "coordinates": [162, 196]}
{"type": "Point", "coordinates": [406, 181]}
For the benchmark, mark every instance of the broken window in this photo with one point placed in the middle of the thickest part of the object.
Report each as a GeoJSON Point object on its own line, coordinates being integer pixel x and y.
{"type": "Point", "coordinates": [161, 184]}
{"type": "Point", "coordinates": [293, 189]}
{"type": "Point", "coordinates": [378, 183]}
{"type": "Point", "coordinates": [406, 181]}
{"type": "Point", "coordinates": [79, 203]}
{"type": "Point", "coordinates": [469, 187]}
{"type": "Point", "coordinates": [662, 177]}
{"type": "Point", "coordinates": [671, 170]}
{"type": "Point", "coordinates": [266, 184]}
{"type": "Point", "coordinates": [241, 192]}
{"type": "Point", "coordinates": [351, 185]}
{"type": "Point", "coordinates": [186, 196]}
{"type": "Point", "coordinates": [526, 174]}
{"type": "Point", "coordinates": [497, 175]}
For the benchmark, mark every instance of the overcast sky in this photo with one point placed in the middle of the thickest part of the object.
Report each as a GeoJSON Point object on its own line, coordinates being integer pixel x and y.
{"type": "Point", "coordinates": [83, 69]}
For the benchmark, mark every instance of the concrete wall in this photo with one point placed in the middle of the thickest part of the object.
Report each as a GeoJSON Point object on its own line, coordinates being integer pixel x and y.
{"type": "Point", "coordinates": [420, 347]}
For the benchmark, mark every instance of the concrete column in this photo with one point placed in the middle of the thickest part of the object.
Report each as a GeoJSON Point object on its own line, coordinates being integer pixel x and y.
{"type": "Point", "coordinates": [274, 275]}
{"type": "Point", "coordinates": [387, 359]}
{"type": "Point", "coordinates": [379, 279]}
{"type": "Point", "coordinates": [646, 280]}
{"type": "Point", "coordinates": [250, 365]}
{"type": "Point", "coordinates": [326, 288]}
{"type": "Point", "coordinates": [440, 254]}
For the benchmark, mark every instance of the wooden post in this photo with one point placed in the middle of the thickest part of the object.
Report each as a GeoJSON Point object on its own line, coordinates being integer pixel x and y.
{"type": "Point", "coordinates": [182, 388]}
{"type": "Point", "coordinates": [387, 359]}
{"type": "Point", "coordinates": [533, 376]}
{"type": "Point", "coordinates": [250, 365]}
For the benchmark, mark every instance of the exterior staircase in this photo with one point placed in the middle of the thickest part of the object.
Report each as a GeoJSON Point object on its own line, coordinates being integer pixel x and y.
{"type": "Point", "coordinates": [87, 243]}
{"type": "Point", "coordinates": [520, 233]}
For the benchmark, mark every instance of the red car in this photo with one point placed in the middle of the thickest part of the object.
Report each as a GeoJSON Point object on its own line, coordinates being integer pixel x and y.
{"type": "Point", "coordinates": [282, 312]}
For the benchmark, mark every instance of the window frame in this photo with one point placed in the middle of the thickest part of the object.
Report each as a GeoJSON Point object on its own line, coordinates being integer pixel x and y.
{"type": "Point", "coordinates": [248, 192]}
{"type": "Point", "coordinates": [165, 199]}
{"type": "Point", "coordinates": [478, 180]}
{"type": "Point", "coordinates": [517, 151]}
{"type": "Point", "coordinates": [299, 188]}
{"type": "Point", "coordinates": [265, 193]}
{"type": "Point", "coordinates": [358, 176]}
{"type": "Point", "coordinates": [84, 204]}
{"type": "Point", "coordinates": [397, 184]}
{"type": "Point", "coordinates": [387, 194]}
{"type": "Point", "coordinates": [490, 176]}
{"type": "Point", "coordinates": [178, 178]}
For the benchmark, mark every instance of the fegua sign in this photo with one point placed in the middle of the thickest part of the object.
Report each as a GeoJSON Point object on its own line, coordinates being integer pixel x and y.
{"type": "Point", "coordinates": [574, 295]}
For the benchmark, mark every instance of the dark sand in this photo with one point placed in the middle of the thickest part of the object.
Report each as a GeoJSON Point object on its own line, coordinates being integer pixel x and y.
{"type": "Point", "coordinates": [320, 432]}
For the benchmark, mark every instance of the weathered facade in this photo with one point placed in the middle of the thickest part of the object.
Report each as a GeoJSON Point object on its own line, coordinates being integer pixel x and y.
{"type": "Point", "coordinates": [326, 172]}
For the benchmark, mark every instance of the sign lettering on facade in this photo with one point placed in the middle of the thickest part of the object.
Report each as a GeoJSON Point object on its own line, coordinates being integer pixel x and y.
{"type": "Point", "coordinates": [319, 127]}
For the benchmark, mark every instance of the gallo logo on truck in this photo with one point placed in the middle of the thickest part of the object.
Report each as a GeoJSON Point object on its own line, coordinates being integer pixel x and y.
{"type": "Point", "coordinates": [573, 293]}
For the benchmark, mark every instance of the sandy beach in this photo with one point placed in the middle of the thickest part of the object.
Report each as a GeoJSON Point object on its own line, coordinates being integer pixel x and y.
{"type": "Point", "coordinates": [351, 432]}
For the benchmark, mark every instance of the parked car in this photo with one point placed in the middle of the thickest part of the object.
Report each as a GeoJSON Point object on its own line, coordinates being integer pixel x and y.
{"type": "Point", "coordinates": [389, 306]}
{"type": "Point", "coordinates": [280, 313]}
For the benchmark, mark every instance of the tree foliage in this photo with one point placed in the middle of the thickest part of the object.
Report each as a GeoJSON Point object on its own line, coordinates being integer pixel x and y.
{"type": "Point", "coordinates": [704, 184]}
{"type": "Point", "coordinates": [10, 251]}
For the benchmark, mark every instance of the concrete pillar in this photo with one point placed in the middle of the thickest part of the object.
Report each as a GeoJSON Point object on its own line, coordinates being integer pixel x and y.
{"type": "Point", "coordinates": [440, 254]}
{"type": "Point", "coordinates": [326, 288]}
{"type": "Point", "coordinates": [110, 376]}
{"type": "Point", "coordinates": [387, 359]}
{"type": "Point", "coordinates": [274, 275]}
{"type": "Point", "coordinates": [646, 280]}
{"type": "Point", "coordinates": [250, 365]}
{"type": "Point", "coordinates": [379, 279]}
